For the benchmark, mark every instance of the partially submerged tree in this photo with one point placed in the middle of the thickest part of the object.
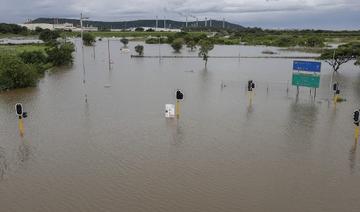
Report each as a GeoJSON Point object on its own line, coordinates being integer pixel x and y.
{"type": "Point", "coordinates": [177, 44]}
{"type": "Point", "coordinates": [139, 49]}
{"type": "Point", "coordinates": [88, 39]}
{"type": "Point", "coordinates": [125, 42]}
{"type": "Point", "coordinates": [205, 47]}
{"type": "Point", "coordinates": [343, 54]}
{"type": "Point", "coordinates": [191, 44]}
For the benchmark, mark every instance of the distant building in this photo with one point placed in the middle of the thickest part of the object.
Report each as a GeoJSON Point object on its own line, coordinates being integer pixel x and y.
{"type": "Point", "coordinates": [153, 28]}
{"type": "Point", "coordinates": [33, 26]}
{"type": "Point", "coordinates": [87, 29]}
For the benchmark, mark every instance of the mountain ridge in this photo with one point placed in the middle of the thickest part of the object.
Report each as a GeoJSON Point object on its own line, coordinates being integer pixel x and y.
{"type": "Point", "coordinates": [138, 23]}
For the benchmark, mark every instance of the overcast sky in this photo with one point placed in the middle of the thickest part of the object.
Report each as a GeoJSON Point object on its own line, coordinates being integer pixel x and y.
{"type": "Point", "coordinates": [316, 14]}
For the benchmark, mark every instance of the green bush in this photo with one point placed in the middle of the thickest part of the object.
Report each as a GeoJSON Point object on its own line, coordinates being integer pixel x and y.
{"type": "Point", "coordinates": [47, 35]}
{"type": "Point", "coordinates": [88, 39]}
{"type": "Point", "coordinates": [61, 54]}
{"type": "Point", "coordinates": [139, 49]}
{"type": "Point", "coordinates": [177, 44]}
{"type": "Point", "coordinates": [14, 73]}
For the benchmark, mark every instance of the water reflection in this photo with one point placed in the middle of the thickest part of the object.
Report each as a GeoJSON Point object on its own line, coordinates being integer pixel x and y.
{"type": "Point", "coordinates": [24, 153]}
{"type": "Point", "coordinates": [352, 156]}
{"type": "Point", "coordinates": [3, 163]}
{"type": "Point", "coordinates": [301, 125]}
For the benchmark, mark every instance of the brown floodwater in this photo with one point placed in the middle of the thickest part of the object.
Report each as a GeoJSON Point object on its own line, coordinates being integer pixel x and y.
{"type": "Point", "coordinates": [119, 153]}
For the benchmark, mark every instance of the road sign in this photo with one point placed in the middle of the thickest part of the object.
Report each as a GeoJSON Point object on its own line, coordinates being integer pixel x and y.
{"type": "Point", "coordinates": [306, 80]}
{"type": "Point", "coordinates": [308, 66]}
{"type": "Point", "coordinates": [169, 111]}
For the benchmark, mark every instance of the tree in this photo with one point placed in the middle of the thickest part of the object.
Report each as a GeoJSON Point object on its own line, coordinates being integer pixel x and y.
{"type": "Point", "coordinates": [14, 73]}
{"type": "Point", "coordinates": [139, 49]}
{"type": "Point", "coordinates": [191, 44]}
{"type": "Point", "coordinates": [47, 35]}
{"type": "Point", "coordinates": [61, 54]}
{"type": "Point", "coordinates": [88, 39]}
{"type": "Point", "coordinates": [125, 42]}
{"type": "Point", "coordinates": [205, 47]}
{"type": "Point", "coordinates": [177, 44]}
{"type": "Point", "coordinates": [343, 54]}
{"type": "Point", "coordinates": [139, 29]}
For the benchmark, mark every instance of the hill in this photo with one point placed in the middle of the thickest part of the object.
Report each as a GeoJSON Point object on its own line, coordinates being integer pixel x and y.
{"type": "Point", "coordinates": [138, 23]}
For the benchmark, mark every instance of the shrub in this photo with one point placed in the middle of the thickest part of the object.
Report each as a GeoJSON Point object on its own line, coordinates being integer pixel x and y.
{"type": "Point", "coordinates": [177, 44]}
{"type": "Point", "coordinates": [14, 73]}
{"type": "Point", "coordinates": [88, 39]}
{"type": "Point", "coordinates": [61, 54]}
{"type": "Point", "coordinates": [139, 49]}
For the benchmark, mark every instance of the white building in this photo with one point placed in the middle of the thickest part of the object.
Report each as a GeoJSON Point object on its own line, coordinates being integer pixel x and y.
{"type": "Point", "coordinates": [65, 26]}
{"type": "Point", "coordinates": [33, 26]}
{"type": "Point", "coordinates": [155, 29]}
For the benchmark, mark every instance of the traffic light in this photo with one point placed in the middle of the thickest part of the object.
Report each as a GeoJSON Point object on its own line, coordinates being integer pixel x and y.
{"type": "Point", "coordinates": [335, 86]}
{"type": "Point", "coordinates": [19, 109]}
{"type": "Point", "coordinates": [251, 85]}
{"type": "Point", "coordinates": [356, 117]}
{"type": "Point", "coordinates": [179, 95]}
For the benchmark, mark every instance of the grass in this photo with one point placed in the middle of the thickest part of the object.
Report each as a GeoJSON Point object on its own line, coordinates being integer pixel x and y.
{"type": "Point", "coordinates": [16, 49]}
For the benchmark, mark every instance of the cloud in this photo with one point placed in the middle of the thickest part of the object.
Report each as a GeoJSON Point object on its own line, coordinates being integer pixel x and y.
{"type": "Point", "coordinates": [269, 13]}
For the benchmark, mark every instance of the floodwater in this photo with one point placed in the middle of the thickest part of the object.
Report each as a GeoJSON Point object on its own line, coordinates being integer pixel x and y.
{"type": "Point", "coordinates": [119, 153]}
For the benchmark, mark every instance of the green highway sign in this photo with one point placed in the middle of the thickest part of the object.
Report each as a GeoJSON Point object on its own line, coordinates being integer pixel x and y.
{"type": "Point", "coordinates": [306, 80]}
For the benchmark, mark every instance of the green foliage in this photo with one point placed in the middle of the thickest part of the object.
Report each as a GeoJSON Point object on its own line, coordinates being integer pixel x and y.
{"type": "Point", "coordinates": [177, 44]}
{"type": "Point", "coordinates": [156, 40]}
{"type": "Point", "coordinates": [88, 39]}
{"type": "Point", "coordinates": [191, 44]}
{"type": "Point", "coordinates": [315, 41]}
{"type": "Point", "coordinates": [47, 35]}
{"type": "Point", "coordinates": [124, 41]}
{"type": "Point", "coordinates": [33, 57]}
{"type": "Point", "coordinates": [205, 47]}
{"type": "Point", "coordinates": [14, 73]}
{"type": "Point", "coordinates": [139, 49]}
{"type": "Point", "coordinates": [36, 58]}
{"type": "Point", "coordinates": [139, 29]}
{"type": "Point", "coordinates": [12, 29]}
{"type": "Point", "coordinates": [61, 54]}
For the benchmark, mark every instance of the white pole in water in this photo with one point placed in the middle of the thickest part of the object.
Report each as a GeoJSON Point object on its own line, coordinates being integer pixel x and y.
{"type": "Point", "coordinates": [109, 54]}
{"type": "Point", "coordinates": [239, 48]}
{"type": "Point", "coordinates": [156, 24]}
{"type": "Point", "coordinates": [82, 54]}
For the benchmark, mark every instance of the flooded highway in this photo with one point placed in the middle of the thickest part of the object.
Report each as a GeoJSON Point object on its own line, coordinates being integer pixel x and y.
{"type": "Point", "coordinates": [118, 152]}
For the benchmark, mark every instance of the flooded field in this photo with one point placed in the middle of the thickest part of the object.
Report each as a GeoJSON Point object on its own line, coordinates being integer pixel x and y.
{"type": "Point", "coordinates": [119, 153]}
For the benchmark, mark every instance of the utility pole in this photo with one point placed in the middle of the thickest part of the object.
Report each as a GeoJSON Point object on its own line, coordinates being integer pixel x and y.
{"type": "Point", "coordinates": [223, 25]}
{"type": "Point", "coordinates": [156, 24]}
{"type": "Point", "coordinates": [205, 22]}
{"type": "Point", "coordinates": [164, 22]}
{"type": "Point", "coordinates": [109, 54]}
{"type": "Point", "coordinates": [82, 53]}
{"type": "Point", "coordinates": [186, 21]}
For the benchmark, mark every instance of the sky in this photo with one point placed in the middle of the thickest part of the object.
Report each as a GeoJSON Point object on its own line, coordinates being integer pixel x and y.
{"type": "Point", "coordinates": [270, 14]}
